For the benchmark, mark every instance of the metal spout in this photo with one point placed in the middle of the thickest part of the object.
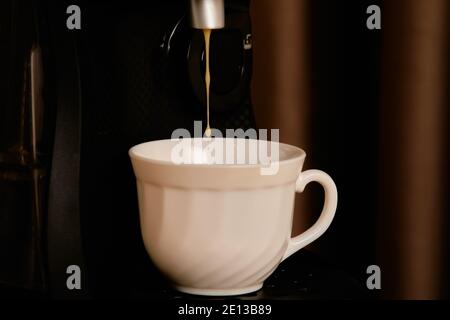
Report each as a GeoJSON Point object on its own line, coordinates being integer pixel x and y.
{"type": "Point", "coordinates": [207, 14]}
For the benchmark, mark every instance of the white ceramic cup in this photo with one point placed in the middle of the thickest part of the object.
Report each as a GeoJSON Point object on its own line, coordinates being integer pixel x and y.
{"type": "Point", "coordinates": [220, 229]}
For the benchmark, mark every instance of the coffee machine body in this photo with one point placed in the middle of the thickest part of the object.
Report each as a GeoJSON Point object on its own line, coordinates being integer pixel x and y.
{"type": "Point", "coordinates": [132, 73]}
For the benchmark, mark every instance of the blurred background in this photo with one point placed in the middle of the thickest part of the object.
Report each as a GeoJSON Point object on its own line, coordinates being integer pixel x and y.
{"type": "Point", "coordinates": [371, 108]}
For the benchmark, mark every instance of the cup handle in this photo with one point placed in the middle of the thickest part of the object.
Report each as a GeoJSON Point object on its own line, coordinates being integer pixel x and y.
{"type": "Point", "coordinates": [328, 211]}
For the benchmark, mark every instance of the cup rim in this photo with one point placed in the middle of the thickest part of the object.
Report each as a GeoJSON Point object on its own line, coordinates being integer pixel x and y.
{"type": "Point", "coordinates": [298, 154]}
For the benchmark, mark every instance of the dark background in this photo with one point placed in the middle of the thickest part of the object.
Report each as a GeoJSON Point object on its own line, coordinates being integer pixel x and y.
{"type": "Point", "coordinates": [345, 57]}
{"type": "Point", "coordinates": [370, 107]}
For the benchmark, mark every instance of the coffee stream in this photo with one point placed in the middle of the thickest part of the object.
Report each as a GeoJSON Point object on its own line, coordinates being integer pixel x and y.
{"type": "Point", "coordinates": [207, 35]}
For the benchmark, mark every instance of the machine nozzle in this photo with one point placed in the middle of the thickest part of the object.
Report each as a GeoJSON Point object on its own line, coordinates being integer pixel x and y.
{"type": "Point", "coordinates": [207, 14]}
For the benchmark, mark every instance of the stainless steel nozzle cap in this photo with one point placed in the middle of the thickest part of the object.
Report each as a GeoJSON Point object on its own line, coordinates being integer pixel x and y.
{"type": "Point", "coordinates": [207, 14]}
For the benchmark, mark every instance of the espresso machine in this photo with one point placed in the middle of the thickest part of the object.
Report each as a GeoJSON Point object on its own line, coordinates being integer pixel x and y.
{"type": "Point", "coordinates": [74, 101]}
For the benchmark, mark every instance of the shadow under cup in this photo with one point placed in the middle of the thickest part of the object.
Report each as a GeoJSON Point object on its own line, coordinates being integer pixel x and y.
{"type": "Point", "coordinates": [216, 218]}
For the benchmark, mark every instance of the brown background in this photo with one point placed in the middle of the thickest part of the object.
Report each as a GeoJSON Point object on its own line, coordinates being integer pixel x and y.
{"type": "Point", "coordinates": [371, 108]}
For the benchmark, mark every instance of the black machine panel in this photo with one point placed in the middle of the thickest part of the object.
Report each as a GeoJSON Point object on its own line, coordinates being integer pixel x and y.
{"type": "Point", "coordinates": [139, 67]}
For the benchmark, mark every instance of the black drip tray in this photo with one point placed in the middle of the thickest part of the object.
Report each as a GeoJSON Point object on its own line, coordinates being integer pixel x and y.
{"type": "Point", "coordinates": [302, 276]}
